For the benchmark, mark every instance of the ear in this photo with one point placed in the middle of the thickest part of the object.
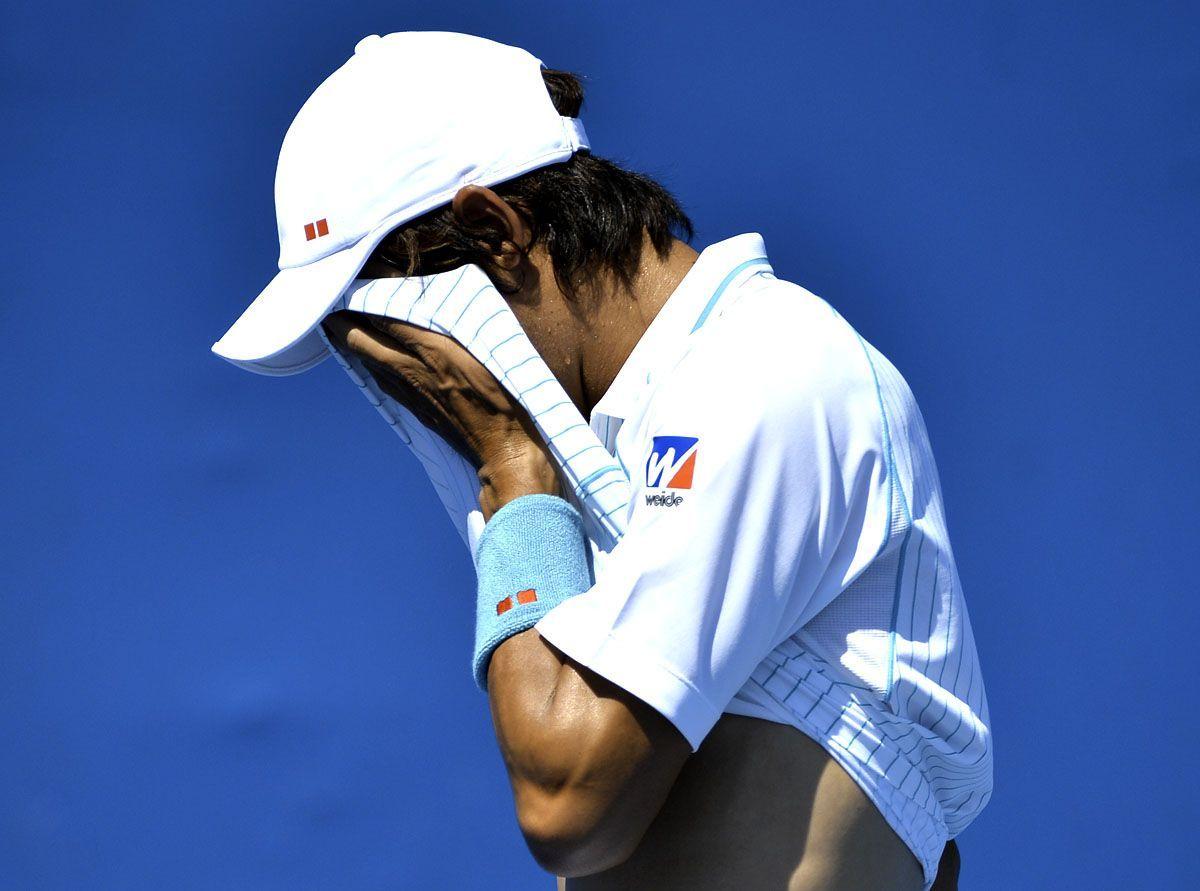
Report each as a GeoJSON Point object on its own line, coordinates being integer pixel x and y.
{"type": "Point", "coordinates": [506, 232]}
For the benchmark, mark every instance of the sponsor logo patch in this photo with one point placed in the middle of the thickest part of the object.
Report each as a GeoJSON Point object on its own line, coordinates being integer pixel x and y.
{"type": "Point", "coordinates": [671, 464]}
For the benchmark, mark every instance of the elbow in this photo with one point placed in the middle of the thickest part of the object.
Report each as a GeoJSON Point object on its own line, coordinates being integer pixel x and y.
{"type": "Point", "coordinates": [570, 835]}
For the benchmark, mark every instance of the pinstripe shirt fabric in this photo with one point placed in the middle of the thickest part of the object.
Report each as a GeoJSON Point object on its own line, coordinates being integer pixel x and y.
{"type": "Point", "coordinates": [803, 576]}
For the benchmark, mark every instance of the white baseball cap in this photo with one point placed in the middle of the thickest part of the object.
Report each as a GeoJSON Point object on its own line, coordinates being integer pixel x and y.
{"type": "Point", "coordinates": [395, 132]}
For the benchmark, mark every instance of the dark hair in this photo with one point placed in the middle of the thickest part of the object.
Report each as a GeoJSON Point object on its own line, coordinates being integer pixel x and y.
{"type": "Point", "coordinates": [588, 213]}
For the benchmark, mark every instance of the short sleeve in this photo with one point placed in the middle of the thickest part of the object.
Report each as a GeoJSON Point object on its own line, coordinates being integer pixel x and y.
{"type": "Point", "coordinates": [755, 503]}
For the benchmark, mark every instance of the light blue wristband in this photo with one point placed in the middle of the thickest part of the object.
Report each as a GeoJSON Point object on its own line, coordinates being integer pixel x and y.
{"type": "Point", "coordinates": [531, 557]}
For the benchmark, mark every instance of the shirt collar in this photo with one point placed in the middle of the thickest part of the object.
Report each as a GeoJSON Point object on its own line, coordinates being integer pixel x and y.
{"type": "Point", "coordinates": [717, 268]}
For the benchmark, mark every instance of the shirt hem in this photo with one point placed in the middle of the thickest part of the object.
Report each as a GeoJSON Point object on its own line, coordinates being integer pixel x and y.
{"type": "Point", "coordinates": [921, 831]}
{"type": "Point", "coordinates": [651, 681]}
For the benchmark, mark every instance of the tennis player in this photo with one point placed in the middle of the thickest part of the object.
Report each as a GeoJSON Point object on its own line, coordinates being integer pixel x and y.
{"type": "Point", "coordinates": [771, 681]}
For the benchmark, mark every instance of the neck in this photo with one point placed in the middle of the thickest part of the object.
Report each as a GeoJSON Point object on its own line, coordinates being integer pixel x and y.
{"type": "Point", "coordinates": [621, 316]}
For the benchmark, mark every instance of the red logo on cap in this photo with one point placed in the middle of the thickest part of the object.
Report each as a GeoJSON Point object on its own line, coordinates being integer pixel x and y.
{"type": "Point", "coordinates": [316, 230]}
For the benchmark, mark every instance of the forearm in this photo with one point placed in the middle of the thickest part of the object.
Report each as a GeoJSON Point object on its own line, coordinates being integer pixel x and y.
{"type": "Point", "coordinates": [589, 765]}
{"type": "Point", "coordinates": [545, 715]}
{"type": "Point", "coordinates": [529, 682]}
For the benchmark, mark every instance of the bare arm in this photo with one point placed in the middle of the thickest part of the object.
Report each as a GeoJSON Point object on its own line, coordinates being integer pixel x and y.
{"type": "Point", "coordinates": [590, 765]}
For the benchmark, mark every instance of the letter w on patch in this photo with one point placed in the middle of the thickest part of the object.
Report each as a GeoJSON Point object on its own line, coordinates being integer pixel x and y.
{"type": "Point", "coordinates": [672, 461]}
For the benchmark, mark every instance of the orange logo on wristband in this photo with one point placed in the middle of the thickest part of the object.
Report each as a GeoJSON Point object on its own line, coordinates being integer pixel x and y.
{"type": "Point", "coordinates": [529, 595]}
{"type": "Point", "coordinates": [523, 597]}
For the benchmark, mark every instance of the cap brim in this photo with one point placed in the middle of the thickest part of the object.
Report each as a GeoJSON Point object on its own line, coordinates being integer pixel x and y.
{"type": "Point", "coordinates": [277, 333]}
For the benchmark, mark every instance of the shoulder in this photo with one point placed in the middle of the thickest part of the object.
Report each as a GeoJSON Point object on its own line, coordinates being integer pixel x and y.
{"type": "Point", "coordinates": [777, 359]}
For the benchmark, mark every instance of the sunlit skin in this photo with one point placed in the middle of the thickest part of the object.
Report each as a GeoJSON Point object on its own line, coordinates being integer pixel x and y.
{"type": "Point", "coordinates": [607, 792]}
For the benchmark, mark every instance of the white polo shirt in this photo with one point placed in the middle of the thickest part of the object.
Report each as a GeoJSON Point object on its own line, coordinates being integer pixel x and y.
{"type": "Point", "coordinates": [786, 555]}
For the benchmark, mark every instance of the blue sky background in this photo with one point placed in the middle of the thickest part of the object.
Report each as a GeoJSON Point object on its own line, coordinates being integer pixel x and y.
{"type": "Point", "coordinates": [235, 625]}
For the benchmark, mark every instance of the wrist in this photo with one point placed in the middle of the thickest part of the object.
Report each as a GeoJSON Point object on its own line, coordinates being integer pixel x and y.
{"type": "Point", "coordinates": [531, 556]}
{"type": "Point", "coordinates": [517, 472]}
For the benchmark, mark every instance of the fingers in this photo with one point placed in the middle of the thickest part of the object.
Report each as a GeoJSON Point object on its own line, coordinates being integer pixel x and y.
{"type": "Point", "coordinates": [369, 334]}
{"type": "Point", "coordinates": [402, 332]}
{"type": "Point", "coordinates": [352, 331]}
{"type": "Point", "coordinates": [438, 379]}
{"type": "Point", "coordinates": [431, 361]}
{"type": "Point", "coordinates": [408, 396]}
{"type": "Point", "coordinates": [399, 373]}
{"type": "Point", "coordinates": [436, 350]}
